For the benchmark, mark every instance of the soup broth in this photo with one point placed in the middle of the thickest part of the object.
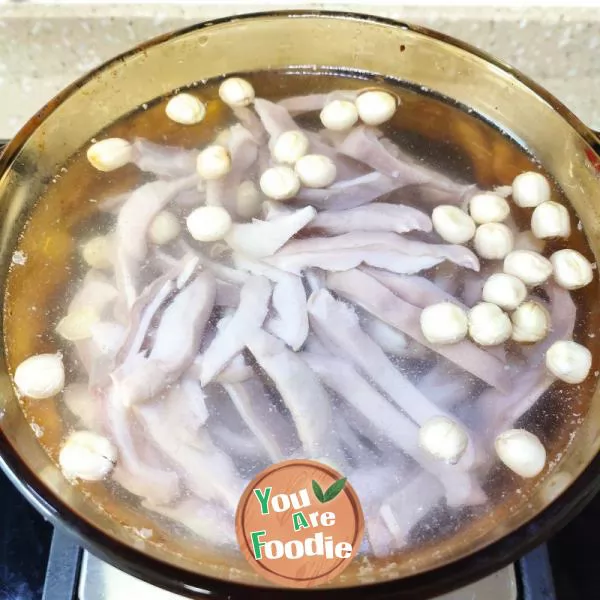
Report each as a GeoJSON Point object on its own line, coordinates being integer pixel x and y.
{"type": "Point", "coordinates": [409, 509]}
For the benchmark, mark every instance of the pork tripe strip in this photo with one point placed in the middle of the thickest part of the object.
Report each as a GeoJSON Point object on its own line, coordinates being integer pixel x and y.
{"type": "Point", "coordinates": [363, 144]}
{"type": "Point", "coordinates": [350, 193]}
{"type": "Point", "coordinates": [378, 216]}
{"type": "Point", "coordinates": [532, 379]}
{"type": "Point", "coordinates": [418, 291]}
{"type": "Point", "coordinates": [374, 297]}
{"type": "Point", "coordinates": [139, 210]}
{"type": "Point", "coordinates": [248, 118]}
{"type": "Point", "coordinates": [311, 102]}
{"type": "Point", "coordinates": [349, 258]}
{"type": "Point", "coordinates": [175, 345]}
{"type": "Point", "coordinates": [421, 292]}
{"type": "Point", "coordinates": [210, 523]}
{"type": "Point", "coordinates": [301, 392]}
{"type": "Point", "coordinates": [231, 339]}
{"type": "Point", "coordinates": [337, 326]}
{"type": "Point", "coordinates": [263, 238]}
{"type": "Point", "coordinates": [289, 301]}
{"type": "Point", "coordinates": [243, 151]}
{"type": "Point", "coordinates": [142, 313]}
{"type": "Point", "coordinates": [139, 469]}
{"type": "Point", "coordinates": [208, 472]}
{"type": "Point", "coordinates": [96, 292]}
{"type": "Point", "coordinates": [236, 371]}
{"type": "Point", "coordinates": [343, 379]}
{"type": "Point", "coordinates": [277, 120]}
{"type": "Point", "coordinates": [164, 161]}
{"type": "Point", "coordinates": [386, 240]}
{"type": "Point", "coordinates": [252, 404]}
{"type": "Point", "coordinates": [228, 294]}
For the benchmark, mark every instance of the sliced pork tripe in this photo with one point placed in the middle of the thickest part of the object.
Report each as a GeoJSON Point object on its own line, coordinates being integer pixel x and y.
{"type": "Point", "coordinates": [344, 380]}
{"type": "Point", "coordinates": [208, 472]}
{"type": "Point", "coordinates": [140, 469]}
{"type": "Point", "coordinates": [301, 392]}
{"type": "Point", "coordinates": [243, 151]}
{"type": "Point", "coordinates": [233, 336]}
{"type": "Point", "coordinates": [263, 238]}
{"type": "Point", "coordinates": [96, 292]}
{"type": "Point", "coordinates": [364, 145]}
{"type": "Point", "coordinates": [212, 524]}
{"type": "Point", "coordinates": [417, 290]}
{"type": "Point", "coordinates": [277, 120]}
{"type": "Point", "coordinates": [336, 324]}
{"type": "Point", "coordinates": [164, 161]}
{"type": "Point", "coordinates": [385, 241]}
{"type": "Point", "coordinates": [289, 301]}
{"type": "Point", "coordinates": [351, 193]}
{"type": "Point", "coordinates": [496, 413]}
{"type": "Point", "coordinates": [139, 210]}
{"type": "Point", "coordinates": [349, 258]}
{"type": "Point", "coordinates": [297, 105]}
{"type": "Point", "coordinates": [175, 344]}
{"type": "Point", "coordinates": [251, 402]}
{"type": "Point", "coordinates": [378, 216]}
{"type": "Point", "coordinates": [374, 297]}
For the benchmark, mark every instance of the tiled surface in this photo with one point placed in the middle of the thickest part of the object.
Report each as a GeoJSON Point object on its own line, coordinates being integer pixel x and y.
{"type": "Point", "coordinates": [557, 47]}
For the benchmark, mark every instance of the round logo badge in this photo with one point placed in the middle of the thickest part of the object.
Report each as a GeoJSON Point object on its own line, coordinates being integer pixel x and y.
{"type": "Point", "coordinates": [299, 523]}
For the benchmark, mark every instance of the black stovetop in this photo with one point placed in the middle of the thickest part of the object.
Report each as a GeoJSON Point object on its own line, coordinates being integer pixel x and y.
{"type": "Point", "coordinates": [25, 546]}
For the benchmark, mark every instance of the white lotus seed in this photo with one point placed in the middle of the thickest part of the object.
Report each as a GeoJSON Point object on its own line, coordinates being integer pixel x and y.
{"type": "Point", "coordinates": [569, 361]}
{"type": "Point", "coordinates": [507, 291]}
{"type": "Point", "coordinates": [290, 147]}
{"type": "Point", "coordinates": [248, 200]}
{"type": "Point", "coordinates": [530, 267]}
{"type": "Point", "coordinates": [444, 323]}
{"type": "Point", "coordinates": [452, 224]}
{"type": "Point", "coordinates": [443, 438]}
{"type": "Point", "coordinates": [376, 107]}
{"type": "Point", "coordinates": [280, 183]}
{"type": "Point", "coordinates": [525, 240]}
{"type": "Point", "coordinates": [531, 322]}
{"type": "Point", "coordinates": [530, 189]}
{"type": "Point", "coordinates": [40, 376]}
{"type": "Point", "coordinates": [185, 109]}
{"type": "Point", "coordinates": [316, 170]}
{"type": "Point", "coordinates": [489, 325]}
{"type": "Point", "coordinates": [339, 115]}
{"type": "Point", "coordinates": [208, 223]}
{"type": "Point", "coordinates": [236, 91]}
{"type": "Point", "coordinates": [550, 220]}
{"type": "Point", "coordinates": [521, 451]}
{"type": "Point", "coordinates": [88, 456]}
{"type": "Point", "coordinates": [97, 252]}
{"type": "Point", "coordinates": [213, 162]}
{"type": "Point", "coordinates": [488, 208]}
{"type": "Point", "coordinates": [493, 240]}
{"type": "Point", "coordinates": [77, 324]}
{"type": "Point", "coordinates": [110, 154]}
{"type": "Point", "coordinates": [572, 270]}
{"type": "Point", "coordinates": [164, 228]}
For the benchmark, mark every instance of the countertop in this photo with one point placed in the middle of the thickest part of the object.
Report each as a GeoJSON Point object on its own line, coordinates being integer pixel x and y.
{"type": "Point", "coordinates": [43, 47]}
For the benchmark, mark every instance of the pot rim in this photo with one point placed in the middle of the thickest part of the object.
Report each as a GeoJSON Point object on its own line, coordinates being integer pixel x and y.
{"type": "Point", "coordinates": [181, 581]}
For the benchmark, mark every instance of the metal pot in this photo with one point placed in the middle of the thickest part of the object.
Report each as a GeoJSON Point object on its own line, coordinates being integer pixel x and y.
{"type": "Point", "coordinates": [566, 148]}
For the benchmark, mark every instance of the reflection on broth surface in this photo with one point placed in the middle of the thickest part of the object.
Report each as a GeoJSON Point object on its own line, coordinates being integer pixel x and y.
{"type": "Point", "coordinates": [238, 397]}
